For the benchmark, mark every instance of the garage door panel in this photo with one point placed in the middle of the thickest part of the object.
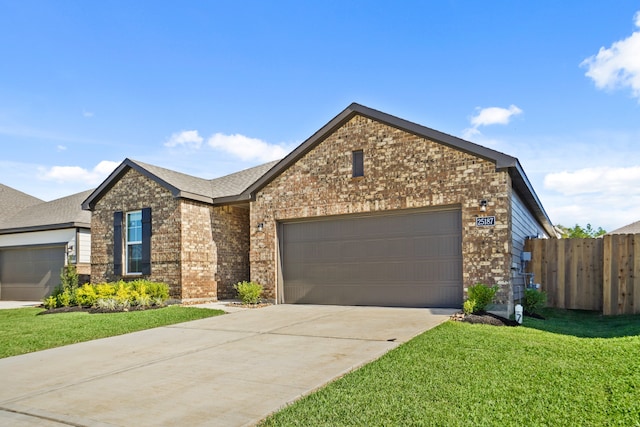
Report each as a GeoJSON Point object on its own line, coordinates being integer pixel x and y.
{"type": "Point", "coordinates": [411, 259]}
{"type": "Point", "coordinates": [30, 273]}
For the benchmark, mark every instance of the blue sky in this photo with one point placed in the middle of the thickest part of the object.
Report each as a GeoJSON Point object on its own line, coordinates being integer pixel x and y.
{"type": "Point", "coordinates": [210, 88]}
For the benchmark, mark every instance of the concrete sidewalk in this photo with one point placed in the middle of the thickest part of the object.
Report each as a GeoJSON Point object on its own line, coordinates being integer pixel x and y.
{"type": "Point", "coordinates": [230, 370]}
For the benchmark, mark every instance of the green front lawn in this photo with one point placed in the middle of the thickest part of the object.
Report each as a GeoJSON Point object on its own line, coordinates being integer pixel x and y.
{"type": "Point", "coordinates": [547, 373]}
{"type": "Point", "coordinates": [23, 331]}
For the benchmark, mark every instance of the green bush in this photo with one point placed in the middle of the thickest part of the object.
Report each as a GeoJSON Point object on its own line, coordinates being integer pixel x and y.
{"type": "Point", "coordinates": [249, 292]}
{"type": "Point", "coordinates": [112, 296]}
{"type": "Point", "coordinates": [50, 302]}
{"type": "Point", "coordinates": [86, 295]}
{"type": "Point", "coordinates": [482, 296]}
{"type": "Point", "coordinates": [469, 306]}
{"type": "Point", "coordinates": [534, 301]}
{"type": "Point", "coordinates": [65, 298]}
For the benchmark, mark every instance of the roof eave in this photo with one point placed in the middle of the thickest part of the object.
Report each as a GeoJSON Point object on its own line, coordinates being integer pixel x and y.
{"type": "Point", "coordinates": [45, 227]}
{"type": "Point", "coordinates": [89, 203]}
{"type": "Point", "coordinates": [525, 190]}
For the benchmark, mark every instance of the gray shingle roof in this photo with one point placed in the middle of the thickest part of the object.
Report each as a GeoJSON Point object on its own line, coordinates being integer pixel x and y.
{"type": "Point", "coordinates": [633, 228]}
{"type": "Point", "coordinates": [59, 213]}
{"type": "Point", "coordinates": [12, 201]}
{"type": "Point", "coordinates": [183, 185]}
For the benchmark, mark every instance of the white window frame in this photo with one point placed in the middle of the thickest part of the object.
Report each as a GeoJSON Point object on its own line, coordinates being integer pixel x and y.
{"type": "Point", "coordinates": [131, 243]}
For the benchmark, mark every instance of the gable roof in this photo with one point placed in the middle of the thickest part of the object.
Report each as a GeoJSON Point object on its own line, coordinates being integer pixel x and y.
{"type": "Point", "coordinates": [633, 228]}
{"type": "Point", "coordinates": [65, 212]}
{"type": "Point", "coordinates": [502, 161]}
{"type": "Point", "coordinates": [12, 201]}
{"type": "Point", "coordinates": [182, 185]}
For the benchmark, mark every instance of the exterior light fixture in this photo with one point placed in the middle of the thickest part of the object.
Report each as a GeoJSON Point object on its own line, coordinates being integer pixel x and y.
{"type": "Point", "coordinates": [483, 205]}
{"type": "Point", "coordinates": [260, 226]}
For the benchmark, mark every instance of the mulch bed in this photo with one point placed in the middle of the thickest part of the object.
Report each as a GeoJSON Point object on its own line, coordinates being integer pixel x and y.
{"type": "Point", "coordinates": [484, 319]}
{"type": "Point", "coordinates": [242, 305]}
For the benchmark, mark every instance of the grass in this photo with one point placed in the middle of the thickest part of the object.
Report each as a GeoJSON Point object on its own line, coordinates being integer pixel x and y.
{"type": "Point", "coordinates": [575, 368]}
{"type": "Point", "coordinates": [23, 331]}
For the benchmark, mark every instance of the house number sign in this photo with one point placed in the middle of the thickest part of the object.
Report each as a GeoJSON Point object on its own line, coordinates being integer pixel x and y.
{"type": "Point", "coordinates": [485, 221]}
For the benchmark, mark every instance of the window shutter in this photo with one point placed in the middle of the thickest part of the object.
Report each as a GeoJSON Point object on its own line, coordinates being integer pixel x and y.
{"type": "Point", "coordinates": [146, 241]}
{"type": "Point", "coordinates": [117, 243]}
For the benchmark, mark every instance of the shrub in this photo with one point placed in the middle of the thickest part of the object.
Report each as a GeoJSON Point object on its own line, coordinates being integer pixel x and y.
{"type": "Point", "coordinates": [481, 295]}
{"type": "Point", "coordinates": [249, 292]}
{"type": "Point", "coordinates": [534, 301]}
{"type": "Point", "coordinates": [122, 293]}
{"type": "Point", "coordinates": [86, 295]}
{"type": "Point", "coordinates": [107, 304]}
{"type": "Point", "coordinates": [50, 302]}
{"type": "Point", "coordinates": [105, 290]}
{"type": "Point", "coordinates": [69, 277]}
{"type": "Point", "coordinates": [469, 306]}
{"type": "Point", "coordinates": [65, 299]}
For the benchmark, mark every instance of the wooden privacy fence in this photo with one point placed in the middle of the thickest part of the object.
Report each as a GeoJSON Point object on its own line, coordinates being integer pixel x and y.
{"type": "Point", "coordinates": [588, 274]}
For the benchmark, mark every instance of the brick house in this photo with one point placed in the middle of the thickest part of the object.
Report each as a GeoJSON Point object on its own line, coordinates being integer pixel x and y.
{"type": "Point", "coordinates": [370, 210]}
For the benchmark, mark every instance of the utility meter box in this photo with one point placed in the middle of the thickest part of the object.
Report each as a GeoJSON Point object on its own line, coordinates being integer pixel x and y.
{"type": "Point", "coordinates": [525, 256]}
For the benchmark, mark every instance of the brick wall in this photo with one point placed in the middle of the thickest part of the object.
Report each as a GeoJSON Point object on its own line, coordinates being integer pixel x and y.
{"type": "Point", "coordinates": [199, 250]}
{"type": "Point", "coordinates": [133, 192]}
{"type": "Point", "coordinates": [231, 233]}
{"type": "Point", "coordinates": [401, 171]}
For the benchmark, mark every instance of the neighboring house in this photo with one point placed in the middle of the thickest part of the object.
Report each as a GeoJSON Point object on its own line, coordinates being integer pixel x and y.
{"type": "Point", "coordinates": [370, 210]}
{"type": "Point", "coordinates": [633, 228]}
{"type": "Point", "coordinates": [12, 201]}
{"type": "Point", "coordinates": [37, 241]}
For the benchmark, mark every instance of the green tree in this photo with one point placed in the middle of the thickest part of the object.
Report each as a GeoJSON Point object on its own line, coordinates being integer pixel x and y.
{"type": "Point", "coordinates": [580, 232]}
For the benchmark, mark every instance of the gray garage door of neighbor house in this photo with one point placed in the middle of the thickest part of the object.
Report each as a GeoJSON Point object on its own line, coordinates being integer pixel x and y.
{"type": "Point", "coordinates": [411, 258]}
{"type": "Point", "coordinates": [30, 274]}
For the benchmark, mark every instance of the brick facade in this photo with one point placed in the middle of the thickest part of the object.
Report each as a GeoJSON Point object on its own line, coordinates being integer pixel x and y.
{"type": "Point", "coordinates": [199, 250]}
{"type": "Point", "coordinates": [401, 171]}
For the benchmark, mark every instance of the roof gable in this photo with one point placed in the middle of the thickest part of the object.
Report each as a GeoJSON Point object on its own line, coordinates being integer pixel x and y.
{"type": "Point", "coordinates": [502, 161]}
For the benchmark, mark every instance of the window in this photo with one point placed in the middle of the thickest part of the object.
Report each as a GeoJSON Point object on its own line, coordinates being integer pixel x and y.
{"type": "Point", "coordinates": [132, 242]}
{"type": "Point", "coordinates": [358, 163]}
{"type": "Point", "coordinates": [133, 248]}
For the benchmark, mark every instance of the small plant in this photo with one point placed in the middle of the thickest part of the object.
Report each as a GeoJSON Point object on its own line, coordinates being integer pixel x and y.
{"type": "Point", "coordinates": [107, 304]}
{"type": "Point", "coordinates": [65, 299]}
{"type": "Point", "coordinates": [249, 292]}
{"type": "Point", "coordinates": [469, 306]}
{"type": "Point", "coordinates": [481, 296]}
{"type": "Point", "coordinates": [50, 302]}
{"type": "Point", "coordinates": [69, 277]}
{"type": "Point", "coordinates": [534, 301]}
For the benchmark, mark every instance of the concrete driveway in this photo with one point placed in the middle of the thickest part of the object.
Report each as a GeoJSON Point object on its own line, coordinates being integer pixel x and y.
{"type": "Point", "coordinates": [230, 370]}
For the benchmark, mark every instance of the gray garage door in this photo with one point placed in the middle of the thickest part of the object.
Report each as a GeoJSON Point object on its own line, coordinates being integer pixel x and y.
{"type": "Point", "coordinates": [413, 259]}
{"type": "Point", "coordinates": [30, 274]}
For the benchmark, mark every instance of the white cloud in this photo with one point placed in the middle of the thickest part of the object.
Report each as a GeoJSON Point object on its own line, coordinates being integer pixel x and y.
{"type": "Point", "coordinates": [609, 180]}
{"type": "Point", "coordinates": [607, 197]}
{"type": "Point", "coordinates": [65, 174]}
{"type": "Point", "coordinates": [87, 114]}
{"type": "Point", "coordinates": [247, 148]}
{"type": "Point", "coordinates": [61, 148]}
{"type": "Point", "coordinates": [490, 116]}
{"type": "Point", "coordinates": [619, 65]}
{"type": "Point", "coordinates": [186, 138]}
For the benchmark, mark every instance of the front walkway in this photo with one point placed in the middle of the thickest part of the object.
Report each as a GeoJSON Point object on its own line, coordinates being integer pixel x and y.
{"type": "Point", "coordinates": [230, 370]}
